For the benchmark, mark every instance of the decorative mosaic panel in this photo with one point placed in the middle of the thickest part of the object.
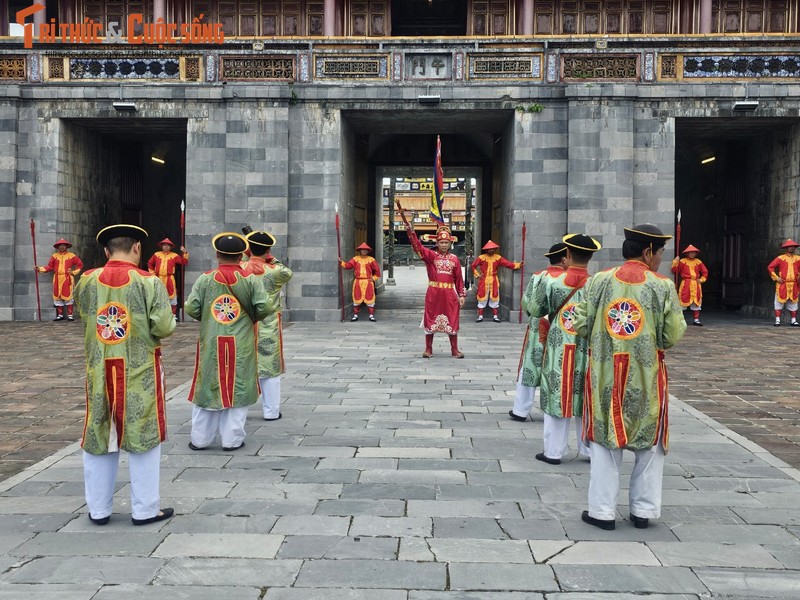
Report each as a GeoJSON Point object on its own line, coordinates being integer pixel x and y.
{"type": "Point", "coordinates": [582, 66]}
{"type": "Point", "coordinates": [192, 68]}
{"type": "Point", "coordinates": [552, 68]}
{"type": "Point", "coordinates": [458, 65]}
{"type": "Point", "coordinates": [649, 66]}
{"type": "Point", "coordinates": [428, 66]}
{"type": "Point", "coordinates": [486, 66]}
{"type": "Point", "coordinates": [12, 68]}
{"type": "Point", "coordinates": [397, 66]}
{"type": "Point", "coordinates": [741, 66]}
{"type": "Point", "coordinates": [124, 68]}
{"type": "Point", "coordinates": [668, 66]}
{"type": "Point", "coordinates": [34, 68]}
{"type": "Point", "coordinates": [305, 67]}
{"type": "Point", "coordinates": [351, 67]}
{"type": "Point", "coordinates": [257, 68]}
{"type": "Point", "coordinates": [211, 67]}
{"type": "Point", "coordinates": [55, 67]}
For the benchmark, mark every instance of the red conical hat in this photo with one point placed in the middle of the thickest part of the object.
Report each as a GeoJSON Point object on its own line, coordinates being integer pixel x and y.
{"type": "Point", "coordinates": [166, 241]}
{"type": "Point", "coordinates": [790, 243]}
{"type": "Point", "coordinates": [62, 241]}
{"type": "Point", "coordinates": [490, 245]}
{"type": "Point", "coordinates": [364, 246]}
{"type": "Point", "coordinates": [690, 248]}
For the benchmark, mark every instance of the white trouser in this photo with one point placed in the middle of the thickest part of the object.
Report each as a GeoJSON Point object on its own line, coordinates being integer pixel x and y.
{"type": "Point", "coordinates": [556, 437]}
{"type": "Point", "coordinates": [63, 302]}
{"type": "Point", "coordinates": [100, 475]}
{"type": "Point", "coordinates": [644, 495]}
{"type": "Point", "coordinates": [229, 423]}
{"type": "Point", "coordinates": [693, 306]}
{"type": "Point", "coordinates": [271, 396]}
{"type": "Point", "coordinates": [526, 396]}
{"type": "Point", "coordinates": [789, 305]}
{"type": "Point", "coordinates": [490, 302]}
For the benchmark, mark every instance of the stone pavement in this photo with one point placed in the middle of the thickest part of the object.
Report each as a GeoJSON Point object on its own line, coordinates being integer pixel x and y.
{"type": "Point", "coordinates": [391, 476]}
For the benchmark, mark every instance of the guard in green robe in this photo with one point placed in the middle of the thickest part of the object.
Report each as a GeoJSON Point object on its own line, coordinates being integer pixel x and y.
{"type": "Point", "coordinates": [530, 364]}
{"type": "Point", "coordinates": [273, 275]}
{"type": "Point", "coordinates": [228, 302]}
{"type": "Point", "coordinates": [631, 315]}
{"type": "Point", "coordinates": [564, 361]}
{"type": "Point", "coordinates": [125, 312]}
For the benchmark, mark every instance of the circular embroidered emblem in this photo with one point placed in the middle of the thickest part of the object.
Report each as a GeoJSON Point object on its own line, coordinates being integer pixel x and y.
{"type": "Point", "coordinates": [226, 309]}
{"type": "Point", "coordinates": [565, 319]}
{"type": "Point", "coordinates": [112, 323]}
{"type": "Point", "coordinates": [624, 319]}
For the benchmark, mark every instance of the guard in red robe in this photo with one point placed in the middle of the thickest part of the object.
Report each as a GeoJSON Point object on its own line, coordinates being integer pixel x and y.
{"type": "Point", "coordinates": [485, 269]}
{"type": "Point", "coordinates": [163, 263]}
{"type": "Point", "coordinates": [785, 272]}
{"type": "Point", "coordinates": [64, 265]}
{"type": "Point", "coordinates": [446, 293]}
{"type": "Point", "coordinates": [365, 274]}
{"type": "Point", "coordinates": [693, 274]}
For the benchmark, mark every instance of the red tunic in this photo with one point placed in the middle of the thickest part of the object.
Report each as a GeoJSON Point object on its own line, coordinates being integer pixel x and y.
{"type": "Point", "coordinates": [445, 286]}
{"type": "Point", "coordinates": [786, 267]}
{"type": "Point", "coordinates": [693, 273]}
{"type": "Point", "coordinates": [365, 273]}
{"type": "Point", "coordinates": [64, 265]}
{"type": "Point", "coordinates": [162, 264]}
{"type": "Point", "coordinates": [489, 265]}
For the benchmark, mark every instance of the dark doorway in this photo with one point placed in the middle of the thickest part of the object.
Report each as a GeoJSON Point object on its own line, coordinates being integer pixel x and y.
{"type": "Point", "coordinates": [429, 18]}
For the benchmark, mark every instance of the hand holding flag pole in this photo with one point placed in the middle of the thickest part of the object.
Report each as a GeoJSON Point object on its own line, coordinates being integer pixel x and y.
{"type": "Point", "coordinates": [678, 241]}
{"type": "Point", "coordinates": [522, 270]}
{"type": "Point", "coordinates": [338, 264]}
{"type": "Point", "coordinates": [36, 269]}
{"type": "Point", "coordinates": [183, 267]}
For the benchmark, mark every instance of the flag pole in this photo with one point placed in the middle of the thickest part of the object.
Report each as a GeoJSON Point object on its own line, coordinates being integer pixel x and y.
{"type": "Point", "coordinates": [183, 267]}
{"type": "Point", "coordinates": [677, 241]}
{"type": "Point", "coordinates": [522, 270]}
{"type": "Point", "coordinates": [36, 270]}
{"type": "Point", "coordinates": [338, 265]}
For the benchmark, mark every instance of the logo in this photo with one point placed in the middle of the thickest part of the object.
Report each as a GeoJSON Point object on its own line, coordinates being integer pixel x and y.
{"type": "Point", "coordinates": [624, 319]}
{"type": "Point", "coordinates": [225, 309]}
{"type": "Point", "coordinates": [138, 32]}
{"type": "Point", "coordinates": [112, 323]}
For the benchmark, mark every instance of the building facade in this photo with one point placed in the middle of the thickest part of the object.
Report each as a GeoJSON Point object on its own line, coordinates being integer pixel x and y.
{"type": "Point", "coordinates": [562, 116]}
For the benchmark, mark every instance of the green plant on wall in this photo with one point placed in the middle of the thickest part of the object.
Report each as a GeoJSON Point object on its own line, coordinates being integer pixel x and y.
{"type": "Point", "coordinates": [531, 108]}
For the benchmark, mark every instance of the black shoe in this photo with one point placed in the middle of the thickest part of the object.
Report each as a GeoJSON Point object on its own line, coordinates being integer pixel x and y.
{"type": "Point", "coordinates": [699, 324]}
{"type": "Point", "coordinates": [59, 318]}
{"type": "Point", "coordinates": [101, 521]}
{"type": "Point", "coordinates": [549, 461]}
{"type": "Point", "coordinates": [607, 524]}
{"type": "Point", "coordinates": [354, 318]}
{"type": "Point", "coordinates": [639, 522]}
{"type": "Point", "coordinates": [777, 323]}
{"type": "Point", "coordinates": [794, 324]}
{"type": "Point", "coordinates": [197, 448]}
{"type": "Point", "coordinates": [516, 417]}
{"type": "Point", "coordinates": [233, 448]}
{"type": "Point", "coordinates": [496, 319]}
{"type": "Point", "coordinates": [372, 318]}
{"type": "Point", "coordinates": [163, 514]}
{"type": "Point", "coordinates": [479, 319]}
{"type": "Point", "coordinates": [274, 418]}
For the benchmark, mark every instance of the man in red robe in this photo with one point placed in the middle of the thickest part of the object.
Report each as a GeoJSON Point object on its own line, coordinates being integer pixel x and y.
{"type": "Point", "coordinates": [785, 272]}
{"type": "Point", "coordinates": [163, 263]}
{"type": "Point", "coordinates": [486, 269]}
{"type": "Point", "coordinates": [365, 274]}
{"type": "Point", "coordinates": [446, 293]}
{"type": "Point", "coordinates": [693, 274]}
{"type": "Point", "coordinates": [64, 265]}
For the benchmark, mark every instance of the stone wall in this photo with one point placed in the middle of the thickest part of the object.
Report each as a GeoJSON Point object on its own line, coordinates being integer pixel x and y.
{"type": "Point", "coordinates": [12, 194]}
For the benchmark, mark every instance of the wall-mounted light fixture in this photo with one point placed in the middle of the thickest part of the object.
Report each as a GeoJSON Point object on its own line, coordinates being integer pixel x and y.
{"type": "Point", "coordinates": [710, 159]}
{"type": "Point", "coordinates": [160, 161]}
{"type": "Point", "coordinates": [429, 99]}
{"type": "Point", "coordinates": [124, 106]}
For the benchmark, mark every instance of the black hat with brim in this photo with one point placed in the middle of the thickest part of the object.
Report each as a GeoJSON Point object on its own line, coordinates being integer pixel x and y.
{"type": "Point", "coordinates": [647, 233]}
{"type": "Point", "coordinates": [580, 241]}
{"type": "Point", "coordinates": [261, 238]}
{"type": "Point", "coordinates": [556, 249]}
{"type": "Point", "coordinates": [107, 234]}
{"type": "Point", "coordinates": [230, 242]}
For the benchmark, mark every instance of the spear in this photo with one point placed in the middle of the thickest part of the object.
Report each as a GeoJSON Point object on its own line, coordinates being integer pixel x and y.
{"type": "Point", "coordinates": [522, 270]}
{"type": "Point", "coordinates": [36, 269]}
{"type": "Point", "coordinates": [183, 267]}
{"type": "Point", "coordinates": [339, 266]}
{"type": "Point", "coordinates": [677, 241]}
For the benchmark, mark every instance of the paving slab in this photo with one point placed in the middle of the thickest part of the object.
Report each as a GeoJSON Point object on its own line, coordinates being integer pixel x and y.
{"type": "Point", "coordinates": [227, 572]}
{"type": "Point", "coordinates": [177, 592]}
{"type": "Point", "coordinates": [750, 583]}
{"type": "Point", "coordinates": [17, 591]}
{"type": "Point", "coordinates": [80, 570]}
{"type": "Point", "coordinates": [693, 554]}
{"type": "Point", "coordinates": [372, 574]}
{"type": "Point", "coordinates": [500, 577]}
{"type": "Point", "coordinates": [234, 545]}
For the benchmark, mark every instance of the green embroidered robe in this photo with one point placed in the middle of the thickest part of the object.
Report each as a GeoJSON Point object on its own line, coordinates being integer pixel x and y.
{"type": "Point", "coordinates": [564, 361]}
{"type": "Point", "coordinates": [125, 312]}
{"type": "Point", "coordinates": [536, 333]}
{"type": "Point", "coordinates": [631, 315]}
{"type": "Point", "coordinates": [226, 368]}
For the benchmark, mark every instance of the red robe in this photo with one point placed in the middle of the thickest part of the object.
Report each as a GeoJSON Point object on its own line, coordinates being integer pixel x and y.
{"type": "Point", "coordinates": [365, 273]}
{"type": "Point", "coordinates": [693, 273]}
{"type": "Point", "coordinates": [64, 265]}
{"type": "Point", "coordinates": [445, 286]}
{"type": "Point", "coordinates": [786, 267]}
{"type": "Point", "coordinates": [162, 264]}
{"type": "Point", "coordinates": [489, 265]}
